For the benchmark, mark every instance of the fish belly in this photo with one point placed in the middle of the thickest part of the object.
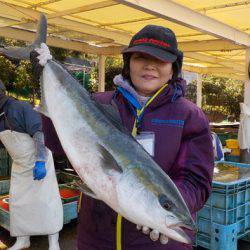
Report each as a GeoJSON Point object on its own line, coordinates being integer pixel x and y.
{"type": "Point", "coordinates": [78, 139]}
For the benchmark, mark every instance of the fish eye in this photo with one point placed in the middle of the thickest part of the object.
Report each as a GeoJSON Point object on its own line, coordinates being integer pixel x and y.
{"type": "Point", "coordinates": [168, 205]}
{"type": "Point", "coordinates": [165, 202]}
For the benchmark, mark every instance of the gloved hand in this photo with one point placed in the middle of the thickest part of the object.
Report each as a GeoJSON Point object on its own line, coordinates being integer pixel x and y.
{"type": "Point", "coordinates": [39, 58]}
{"type": "Point", "coordinates": [39, 170]}
{"type": "Point", "coordinates": [153, 234]}
{"type": "Point", "coordinates": [44, 54]}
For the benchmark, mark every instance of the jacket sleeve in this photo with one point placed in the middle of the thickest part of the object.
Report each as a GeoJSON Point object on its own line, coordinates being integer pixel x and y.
{"type": "Point", "coordinates": [26, 118]}
{"type": "Point", "coordinates": [193, 168]}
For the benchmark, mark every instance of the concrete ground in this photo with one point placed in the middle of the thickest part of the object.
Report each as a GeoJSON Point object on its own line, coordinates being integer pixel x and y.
{"type": "Point", "coordinates": [68, 240]}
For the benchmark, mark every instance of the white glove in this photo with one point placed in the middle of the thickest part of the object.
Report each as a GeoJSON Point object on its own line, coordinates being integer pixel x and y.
{"type": "Point", "coordinates": [153, 234]}
{"type": "Point", "coordinates": [44, 54]}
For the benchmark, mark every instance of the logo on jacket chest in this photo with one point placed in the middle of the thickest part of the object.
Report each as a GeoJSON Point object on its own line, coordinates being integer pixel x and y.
{"type": "Point", "coordinates": [168, 122]}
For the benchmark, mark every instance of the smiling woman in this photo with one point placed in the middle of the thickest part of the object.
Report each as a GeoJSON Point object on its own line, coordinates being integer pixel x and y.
{"type": "Point", "coordinates": [175, 132]}
{"type": "Point", "coordinates": [149, 74]}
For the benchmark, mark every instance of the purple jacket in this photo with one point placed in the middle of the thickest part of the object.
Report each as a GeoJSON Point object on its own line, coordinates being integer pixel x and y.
{"type": "Point", "coordinates": [183, 148]}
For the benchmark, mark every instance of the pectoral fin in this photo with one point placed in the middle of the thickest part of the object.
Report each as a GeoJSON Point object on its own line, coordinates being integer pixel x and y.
{"type": "Point", "coordinates": [81, 186]}
{"type": "Point", "coordinates": [109, 164]}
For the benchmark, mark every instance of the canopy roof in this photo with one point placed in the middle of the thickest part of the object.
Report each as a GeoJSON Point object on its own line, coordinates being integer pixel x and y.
{"type": "Point", "coordinates": [212, 34]}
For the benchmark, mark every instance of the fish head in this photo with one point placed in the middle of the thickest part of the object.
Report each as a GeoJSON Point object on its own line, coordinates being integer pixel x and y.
{"type": "Point", "coordinates": [177, 217]}
{"type": "Point", "coordinates": [145, 202]}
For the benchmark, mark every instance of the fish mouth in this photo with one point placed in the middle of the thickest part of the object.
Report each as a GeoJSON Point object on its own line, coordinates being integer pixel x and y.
{"type": "Point", "coordinates": [190, 226]}
{"type": "Point", "coordinates": [179, 234]}
{"type": "Point", "coordinates": [176, 231]}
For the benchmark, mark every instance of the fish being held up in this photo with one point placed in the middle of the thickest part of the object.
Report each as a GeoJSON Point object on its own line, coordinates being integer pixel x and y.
{"type": "Point", "coordinates": [112, 164]}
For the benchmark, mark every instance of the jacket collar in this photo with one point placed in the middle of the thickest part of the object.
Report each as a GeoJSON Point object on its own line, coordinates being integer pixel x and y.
{"type": "Point", "coordinates": [170, 94]}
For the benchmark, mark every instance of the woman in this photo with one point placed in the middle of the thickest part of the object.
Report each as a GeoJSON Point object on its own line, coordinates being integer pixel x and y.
{"type": "Point", "coordinates": [150, 101]}
{"type": "Point", "coordinates": [35, 203]}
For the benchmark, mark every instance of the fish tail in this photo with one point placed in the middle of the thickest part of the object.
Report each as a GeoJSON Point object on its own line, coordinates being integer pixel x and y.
{"type": "Point", "coordinates": [24, 53]}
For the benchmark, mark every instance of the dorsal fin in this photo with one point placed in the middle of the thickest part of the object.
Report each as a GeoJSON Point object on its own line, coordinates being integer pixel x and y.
{"type": "Point", "coordinates": [112, 114]}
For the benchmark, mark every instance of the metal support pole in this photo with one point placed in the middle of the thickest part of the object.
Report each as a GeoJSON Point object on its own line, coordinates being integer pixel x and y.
{"type": "Point", "coordinates": [199, 90]}
{"type": "Point", "coordinates": [101, 73]}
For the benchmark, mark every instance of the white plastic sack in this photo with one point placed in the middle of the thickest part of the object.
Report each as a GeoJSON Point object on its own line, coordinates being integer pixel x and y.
{"type": "Point", "coordinates": [217, 147]}
{"type": "Point", "coordinates": [244, 128]}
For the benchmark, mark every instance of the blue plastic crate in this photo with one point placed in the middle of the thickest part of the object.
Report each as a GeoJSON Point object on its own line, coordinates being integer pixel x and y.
{"type": "Point", "coordinates": [5, 219]}
{"type": "Point", "coordinates": [4, 186]}
{"type": "Point", "coordinates": [226, 215]}
{"type": "Point", "coordinates": [5, 163]}
{"type": "Point", "coordinates": [69, 211]}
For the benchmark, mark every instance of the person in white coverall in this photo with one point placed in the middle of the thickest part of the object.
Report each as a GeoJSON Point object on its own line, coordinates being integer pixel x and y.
{"type": "Point", "coordinates": [35, 203]}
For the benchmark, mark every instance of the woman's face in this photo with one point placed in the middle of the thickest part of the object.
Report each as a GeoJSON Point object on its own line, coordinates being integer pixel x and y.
{"type": "Point", "coordinates": [149, 74]}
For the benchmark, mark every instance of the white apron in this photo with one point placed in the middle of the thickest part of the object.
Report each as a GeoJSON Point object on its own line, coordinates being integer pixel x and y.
{"type": "Point", "coordinates": [35, 206]}
{"type": "Point", "coordinates": [244, 128]}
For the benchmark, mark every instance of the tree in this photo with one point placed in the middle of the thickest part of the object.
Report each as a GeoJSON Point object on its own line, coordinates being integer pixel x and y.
{"type": "Point", "coordinates": [113, 67]}
{"type": "Point", "coordinates": [23, 84]}
{"type": "Point", "coordinates": [191, 91]}
{"type": "Point", "coordinates": [9, 67]}
{"type": "Point", "coordinates": [220, 96]}
{"type": "Point", "coordinates": [59, 54]}
{"type": "Point", "coordinates": [7, 72]}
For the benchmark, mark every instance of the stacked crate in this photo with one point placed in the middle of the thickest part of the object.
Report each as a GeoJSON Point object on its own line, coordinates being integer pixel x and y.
{"type": "Point", "coordinates": [5, 163]}
{"type": "Point", "coordinates": [226, 216]}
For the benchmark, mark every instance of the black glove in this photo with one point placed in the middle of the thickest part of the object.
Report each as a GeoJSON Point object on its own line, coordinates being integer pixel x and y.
{"type": "Point", "coordinates": [36, 67]}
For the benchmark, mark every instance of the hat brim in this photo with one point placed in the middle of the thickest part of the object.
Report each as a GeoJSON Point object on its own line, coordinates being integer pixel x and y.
{"type": "Point", "coordinates": [158, 53]}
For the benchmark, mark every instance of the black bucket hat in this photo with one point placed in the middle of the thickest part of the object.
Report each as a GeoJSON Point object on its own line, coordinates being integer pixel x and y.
{"type": "Point", "coordinates": [156, 41]}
